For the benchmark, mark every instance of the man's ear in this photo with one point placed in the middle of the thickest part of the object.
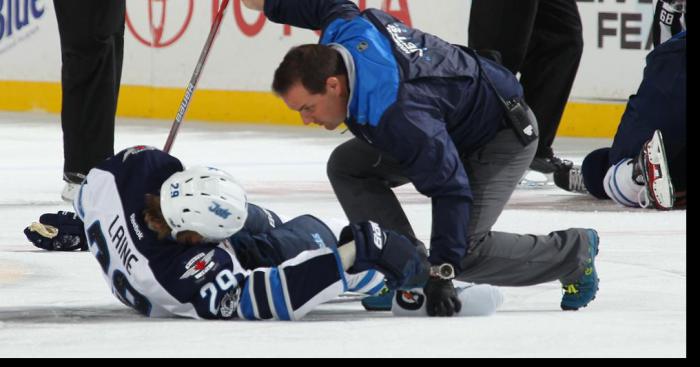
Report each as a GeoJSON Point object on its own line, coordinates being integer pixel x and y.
{"type": "Point", "coordinates": [333, 85]}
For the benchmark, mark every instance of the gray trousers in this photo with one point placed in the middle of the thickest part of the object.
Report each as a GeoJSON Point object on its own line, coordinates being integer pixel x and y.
{"type": "Point", "coordinates": [363, 177]}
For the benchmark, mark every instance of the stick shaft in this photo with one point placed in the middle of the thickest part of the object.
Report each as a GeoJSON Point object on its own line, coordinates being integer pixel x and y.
{"type": "Point", "coordinates": [189, 92]}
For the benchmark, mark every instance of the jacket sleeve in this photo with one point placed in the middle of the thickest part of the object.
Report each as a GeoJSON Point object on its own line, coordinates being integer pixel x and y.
{"type": "Point", "coordinates": [417, 137]}
{"type": "Point", "coordinates": [309, 14]}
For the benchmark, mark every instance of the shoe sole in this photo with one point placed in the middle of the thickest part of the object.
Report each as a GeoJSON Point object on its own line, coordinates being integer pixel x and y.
{"type": "Point", "coordinates": [568, 308]}
{"type": "Point", "coordinates": [369, 307]}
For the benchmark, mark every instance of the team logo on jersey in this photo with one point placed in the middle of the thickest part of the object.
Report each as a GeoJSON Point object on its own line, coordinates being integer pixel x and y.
{"type": "Point", "coordinates": [409, 300]}
{"type": "Point", "coordinates": [135, 150]}
{"type": "Point", "coordinates": [229, 303]}
{"type": "Point", "coordinates": [199, 265]}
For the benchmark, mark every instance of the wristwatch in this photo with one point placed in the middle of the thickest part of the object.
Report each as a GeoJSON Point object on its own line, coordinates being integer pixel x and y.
{"type": "Point", "coordinates": [443, 271]}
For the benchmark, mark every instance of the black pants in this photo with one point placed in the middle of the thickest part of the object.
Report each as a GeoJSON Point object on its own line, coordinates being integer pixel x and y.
{"type": "Point", "coordinates": [541, 39]}
{"type": "Point", "coordinates": [92, 50]}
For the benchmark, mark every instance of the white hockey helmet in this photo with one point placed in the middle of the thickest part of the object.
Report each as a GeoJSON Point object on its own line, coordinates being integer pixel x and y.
{"type": "Point", "coordinates": [204, 200]}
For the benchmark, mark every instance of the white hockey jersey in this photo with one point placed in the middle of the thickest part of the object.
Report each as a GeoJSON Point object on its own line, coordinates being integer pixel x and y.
{"type": "Point", "coordinates": [161, 278]}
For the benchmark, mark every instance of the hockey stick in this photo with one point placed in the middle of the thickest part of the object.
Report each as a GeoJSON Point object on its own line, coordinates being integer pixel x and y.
{"type": "Point", "coordinates": [195, 78]}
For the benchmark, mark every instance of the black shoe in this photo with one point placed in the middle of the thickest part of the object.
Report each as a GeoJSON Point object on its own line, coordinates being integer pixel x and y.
{"type": "Point", "coordinates": [550, 164]}
{"type": "Point", "coordinates": [570, 180]}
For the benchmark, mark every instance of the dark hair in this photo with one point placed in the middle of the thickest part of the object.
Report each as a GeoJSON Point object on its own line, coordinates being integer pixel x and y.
{"type": "Point", "coordinates": [310, 64]}
{"type": "Point", "coordinates": [153, 216]}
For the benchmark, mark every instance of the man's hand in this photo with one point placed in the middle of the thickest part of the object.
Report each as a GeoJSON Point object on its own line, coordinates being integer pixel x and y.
{"type": "Point", "coordinates": [62, 231]}
{"type": "Point", "coordinates": [441, 297]}
{"type": "Point", "coordinates": [254, 4]}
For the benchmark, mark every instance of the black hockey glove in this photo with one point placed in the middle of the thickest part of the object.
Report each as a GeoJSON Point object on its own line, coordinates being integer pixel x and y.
{"type": "Point", "coordinates": [441, 297]}
{"type": "Point", "coordinates": [62, 231]}
{"type": "Point", "coordinates": [403, 262]}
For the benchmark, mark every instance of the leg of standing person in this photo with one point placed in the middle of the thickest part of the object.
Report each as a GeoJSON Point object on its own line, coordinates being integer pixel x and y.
{"type": "Point", "coordinates": [548, 73]}
{"type": "Point", "coordinates": [505, 26]}
{"type": "Point", "coordinates": [92, 42]}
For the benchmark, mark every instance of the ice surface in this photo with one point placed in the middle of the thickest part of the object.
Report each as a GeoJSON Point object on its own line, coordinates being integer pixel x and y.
{"type": "Point", "coordinates": [57, 304]}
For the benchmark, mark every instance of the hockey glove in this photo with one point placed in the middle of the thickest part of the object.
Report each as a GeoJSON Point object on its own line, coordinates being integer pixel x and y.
{"type": "Point", "coordinates": [402, 261]}
{"type": "Point", "coordinates": [441, 297]}
{"type": "Point", "coordinates": [62, 231]}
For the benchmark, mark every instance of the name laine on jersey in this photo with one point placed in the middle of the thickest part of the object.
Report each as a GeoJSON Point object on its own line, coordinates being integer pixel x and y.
{"type": "Point", "coordinates": [135, 226]}
{"type": "Point", "coordinates": [120, 241]}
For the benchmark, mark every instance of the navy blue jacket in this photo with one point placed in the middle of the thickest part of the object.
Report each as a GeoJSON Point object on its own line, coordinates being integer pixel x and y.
{"type": "Point", "coordinates": [415, 97]}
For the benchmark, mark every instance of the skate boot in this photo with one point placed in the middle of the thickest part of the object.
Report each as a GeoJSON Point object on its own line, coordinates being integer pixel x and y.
{"type": "Point", "coordinates": [583, 291]}
{"type": "Point", "coordinates": [551, 164]}
{"type": "Point", "coordinates": [651, 170]}
{"type": "Point", "coordinates": [570, 179]}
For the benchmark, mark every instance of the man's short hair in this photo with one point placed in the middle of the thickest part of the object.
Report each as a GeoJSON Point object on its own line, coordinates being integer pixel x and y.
{"type": "Point", "coordinates": [310, 64]}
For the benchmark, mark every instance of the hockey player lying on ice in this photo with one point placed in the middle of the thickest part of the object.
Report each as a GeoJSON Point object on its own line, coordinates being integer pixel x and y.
{"type": "Point", "coordinates": [176, 242]}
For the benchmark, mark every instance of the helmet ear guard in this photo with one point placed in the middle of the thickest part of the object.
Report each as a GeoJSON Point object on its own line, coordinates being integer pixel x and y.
{"type": "Point", "coordinates": [204, 200]}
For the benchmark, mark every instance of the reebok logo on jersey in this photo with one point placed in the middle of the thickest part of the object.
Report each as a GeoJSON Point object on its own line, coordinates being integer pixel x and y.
{"type": "Point", "coordinates": [199, 265]}
{"type": "Point", "coordinates": [219, 211]}
{"type": "Point", "coordinates": [135, 226]}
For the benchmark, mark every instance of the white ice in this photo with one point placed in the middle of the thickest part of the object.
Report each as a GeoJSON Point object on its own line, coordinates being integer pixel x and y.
{"type": "Point", "coordinates": [57, 304]}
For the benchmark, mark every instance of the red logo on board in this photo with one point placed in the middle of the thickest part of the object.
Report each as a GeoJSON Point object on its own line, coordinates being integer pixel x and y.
{"type": "Point", "coordinates": [165, 24]}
